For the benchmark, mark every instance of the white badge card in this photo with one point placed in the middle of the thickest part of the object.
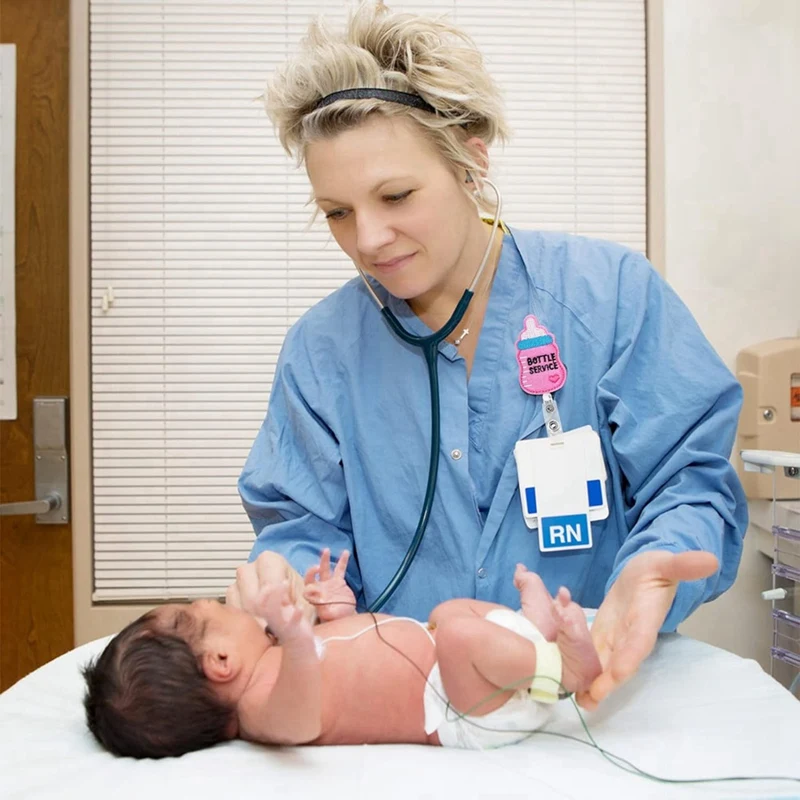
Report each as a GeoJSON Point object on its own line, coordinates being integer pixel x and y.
{"type": "Point", "coordinates": [595, 472]}
{"type": "Point", "coordinates": [562, 488]}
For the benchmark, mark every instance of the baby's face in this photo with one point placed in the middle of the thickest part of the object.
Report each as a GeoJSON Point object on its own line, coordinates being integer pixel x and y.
{"type": "Point", "coordinates": [210, 619]}
{"type": "Point", "coordinates": [236, 623]}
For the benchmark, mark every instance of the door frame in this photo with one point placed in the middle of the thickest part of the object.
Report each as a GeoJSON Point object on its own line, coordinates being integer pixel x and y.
{"type": "Point", "coordinates": [92, 620]}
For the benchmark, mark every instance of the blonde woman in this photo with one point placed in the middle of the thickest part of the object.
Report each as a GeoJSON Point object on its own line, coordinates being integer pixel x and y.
{"type": "Point", "coordinates": [393, 120]}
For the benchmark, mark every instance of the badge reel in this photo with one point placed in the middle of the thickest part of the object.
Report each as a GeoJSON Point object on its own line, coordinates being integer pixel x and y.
{"type": "Point", "coordinates": [562, 478]}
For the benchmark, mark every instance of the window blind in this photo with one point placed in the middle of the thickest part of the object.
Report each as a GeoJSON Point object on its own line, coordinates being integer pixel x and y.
{"type": "Point", "coordinates": [202, 255]}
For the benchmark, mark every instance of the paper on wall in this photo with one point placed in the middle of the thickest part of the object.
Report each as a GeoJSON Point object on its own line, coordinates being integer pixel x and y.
{"type": "Point", "coordinates": [8, 349]}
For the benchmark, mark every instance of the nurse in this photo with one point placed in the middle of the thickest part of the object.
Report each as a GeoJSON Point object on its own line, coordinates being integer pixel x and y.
{"type": "Point", "coordinates": [632, 504]}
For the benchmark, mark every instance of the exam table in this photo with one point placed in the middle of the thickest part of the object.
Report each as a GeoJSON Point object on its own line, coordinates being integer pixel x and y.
{"type": "Point", "coordinates": [692, 711]}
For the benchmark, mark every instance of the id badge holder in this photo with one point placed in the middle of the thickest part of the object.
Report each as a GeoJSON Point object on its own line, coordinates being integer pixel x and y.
{"type": "Point", "coordinates": [562, 478]}
{"type": "Point", "coordinates": [562, 486]}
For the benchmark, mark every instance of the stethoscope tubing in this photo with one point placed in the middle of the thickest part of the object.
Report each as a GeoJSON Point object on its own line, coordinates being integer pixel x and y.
{"type": "Point", "coordinates": [430, 349]}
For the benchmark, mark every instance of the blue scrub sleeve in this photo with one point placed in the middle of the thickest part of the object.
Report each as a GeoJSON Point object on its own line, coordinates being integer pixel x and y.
{"type": "Point", "coordinates": [292, 485]}
{"type": "Point", "coordinates": [672, 408]}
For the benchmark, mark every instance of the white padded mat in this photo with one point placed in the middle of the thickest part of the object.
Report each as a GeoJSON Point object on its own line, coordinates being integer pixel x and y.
{"type": "Point", "coordinates": [692, 711]}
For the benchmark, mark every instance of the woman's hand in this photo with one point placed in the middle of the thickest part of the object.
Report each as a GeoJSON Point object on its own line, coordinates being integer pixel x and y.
{"type": "Point", "coordinates": [269, 569]}
{"type": "Point", "coordinates": [328, 591]}
{"type": "Point", "coordinates": [629, 619]}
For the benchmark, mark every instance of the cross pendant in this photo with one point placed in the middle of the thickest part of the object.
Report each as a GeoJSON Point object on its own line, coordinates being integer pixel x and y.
{"type": "Point", "coordinates": [460, 339]}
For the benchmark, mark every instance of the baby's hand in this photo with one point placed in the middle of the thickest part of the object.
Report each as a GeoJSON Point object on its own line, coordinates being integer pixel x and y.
{"type": "Point", "coordinates": [269, 569]}
{"type": "Point", "coordinates": [328, 591]}
{"type": "Point", "coordinates": [283, 617]}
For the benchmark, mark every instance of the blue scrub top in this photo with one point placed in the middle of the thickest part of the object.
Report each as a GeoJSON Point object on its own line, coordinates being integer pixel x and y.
{"type": "Point", "coordinates": [341, 460]}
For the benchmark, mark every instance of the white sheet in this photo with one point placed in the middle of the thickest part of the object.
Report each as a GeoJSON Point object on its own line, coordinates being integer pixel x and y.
{"type": "Point", "coordinates": [692, 711]}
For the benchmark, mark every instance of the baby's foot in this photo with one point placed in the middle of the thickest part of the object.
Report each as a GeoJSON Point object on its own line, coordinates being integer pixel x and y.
{"type": "Point", "coordinates": [537, 605]}
{"type": "Point", "coordinates": [581, 664]}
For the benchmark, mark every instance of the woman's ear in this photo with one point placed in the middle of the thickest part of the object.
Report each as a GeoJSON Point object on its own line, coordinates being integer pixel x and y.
{"type": "Point", "coordinates": [480, 152]}
{"type": "Point", "coordinates": [220, 663]}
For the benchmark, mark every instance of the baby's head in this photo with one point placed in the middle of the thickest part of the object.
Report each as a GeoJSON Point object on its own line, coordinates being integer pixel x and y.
{"type": "Point", "coordinates": [170, 682]}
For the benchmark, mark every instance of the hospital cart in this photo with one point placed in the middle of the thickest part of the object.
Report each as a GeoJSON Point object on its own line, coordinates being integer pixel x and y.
{"type": "Point", "coordinates": [785, 592]}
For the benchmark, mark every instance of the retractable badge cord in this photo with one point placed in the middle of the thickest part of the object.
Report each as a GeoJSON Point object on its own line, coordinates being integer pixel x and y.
{"type": "Point", "coordinates": [561, 478]}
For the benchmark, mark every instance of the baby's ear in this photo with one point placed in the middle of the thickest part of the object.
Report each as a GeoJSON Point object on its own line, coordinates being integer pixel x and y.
{"type": "Point", "coordinates": [220, 665]}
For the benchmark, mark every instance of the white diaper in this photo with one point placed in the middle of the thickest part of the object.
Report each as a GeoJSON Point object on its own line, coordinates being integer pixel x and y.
{"type": "Point", "coordinates": [512, 722]}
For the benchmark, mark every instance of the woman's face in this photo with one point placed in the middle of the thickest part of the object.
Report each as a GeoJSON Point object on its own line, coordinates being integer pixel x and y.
{"type": "Point", "coordinates": [395, 207]}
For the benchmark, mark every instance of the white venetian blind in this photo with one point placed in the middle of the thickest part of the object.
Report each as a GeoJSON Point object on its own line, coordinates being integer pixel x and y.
{"type": "Point", "coordinates": [201, 256]}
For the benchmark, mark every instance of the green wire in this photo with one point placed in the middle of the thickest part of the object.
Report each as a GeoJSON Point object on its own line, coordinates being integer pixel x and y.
{"type": "Point", "coordinates": [615, 760]}
{"type": "Point", "coordinates": [609, 756]}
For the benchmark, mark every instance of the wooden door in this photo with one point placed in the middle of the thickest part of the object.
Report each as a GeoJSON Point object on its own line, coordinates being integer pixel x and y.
{"type": "Point", "coordinates": [36, 616]}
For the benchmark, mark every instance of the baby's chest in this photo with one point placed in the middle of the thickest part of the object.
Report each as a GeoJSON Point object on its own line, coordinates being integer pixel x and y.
{"type": "Point", "coordinates": [376, 695]}
{"type": "Point", "coordinates": [387, 665]}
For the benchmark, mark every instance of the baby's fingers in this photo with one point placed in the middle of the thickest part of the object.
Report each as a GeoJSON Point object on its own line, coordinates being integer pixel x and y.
{"type": "Point", "coordinates": [272, 598]}
{"type": "Point", "coordinates": [265, 604]}
{"type": "Point", "coordinates": [325, 565]}
{"type": "Point", "coordinates": [232, 596]}
{"type": "Point", "coordinates": [312, 593]}
{"type": "Point", "coordinates": [341, 565]}
{"type": "Point", "coordinates": [311, 574]}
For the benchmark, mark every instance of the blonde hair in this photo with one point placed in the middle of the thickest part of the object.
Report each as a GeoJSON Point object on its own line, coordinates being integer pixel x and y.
{"type": "Point", "coordinates": [388, 50]}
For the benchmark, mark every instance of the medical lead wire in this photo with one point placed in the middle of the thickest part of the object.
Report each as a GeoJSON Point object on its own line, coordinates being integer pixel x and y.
{"type": "Point", "coordinates": [614, 760]}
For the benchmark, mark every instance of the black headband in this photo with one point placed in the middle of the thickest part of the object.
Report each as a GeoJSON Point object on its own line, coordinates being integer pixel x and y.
{"type": "Point", "coordinates": [413, 100]}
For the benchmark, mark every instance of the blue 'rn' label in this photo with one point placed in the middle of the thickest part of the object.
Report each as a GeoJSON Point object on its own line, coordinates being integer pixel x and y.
{"type": "Point", "coordinates": [566, 532]}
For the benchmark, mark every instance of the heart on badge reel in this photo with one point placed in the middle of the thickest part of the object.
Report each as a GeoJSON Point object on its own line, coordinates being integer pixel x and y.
{"type": "Point", "coordinates": [541, 369]}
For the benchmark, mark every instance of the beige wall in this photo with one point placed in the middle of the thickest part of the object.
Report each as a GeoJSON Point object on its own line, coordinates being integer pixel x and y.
{"type": "Point", "coordinates": [732, 205]}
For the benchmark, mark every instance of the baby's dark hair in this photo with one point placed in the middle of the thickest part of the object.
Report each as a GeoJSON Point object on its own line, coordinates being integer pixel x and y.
{"type": "Point", "coordinates": [148, 697]}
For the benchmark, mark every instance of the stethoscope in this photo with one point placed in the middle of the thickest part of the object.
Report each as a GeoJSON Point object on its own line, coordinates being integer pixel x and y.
{"type": "Point", "coordinates": [430, 348]}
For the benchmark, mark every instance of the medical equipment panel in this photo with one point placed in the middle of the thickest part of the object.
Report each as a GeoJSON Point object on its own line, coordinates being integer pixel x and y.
{"type": "Point", "coordinates": [770, 420]}
{"type": "Point", "coordinates": [785, 591]}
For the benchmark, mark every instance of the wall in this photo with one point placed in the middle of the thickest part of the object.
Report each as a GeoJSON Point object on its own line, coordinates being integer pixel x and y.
{"type": "Point", "coordinates": [732, 206]}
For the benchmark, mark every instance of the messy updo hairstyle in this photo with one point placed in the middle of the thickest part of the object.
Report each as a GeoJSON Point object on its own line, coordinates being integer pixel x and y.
{"type": "Point", "coordinates": [388, 50]}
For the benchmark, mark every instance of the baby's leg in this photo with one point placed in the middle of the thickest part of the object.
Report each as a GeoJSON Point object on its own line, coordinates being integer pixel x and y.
{"type": "Point", "coordinates": [477, 658]}
{"type": "Point", "coordinates": [460, 607]}
{"type": "Point", "coordinates": [564, 622]}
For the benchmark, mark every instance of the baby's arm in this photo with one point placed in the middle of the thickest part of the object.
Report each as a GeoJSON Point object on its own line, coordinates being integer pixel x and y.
{"type": "Point", "coordinates": [290, 711]}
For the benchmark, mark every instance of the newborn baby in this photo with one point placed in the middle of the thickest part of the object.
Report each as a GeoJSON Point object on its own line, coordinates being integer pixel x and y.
{"type": "Point", "coordinates": [478, 675]}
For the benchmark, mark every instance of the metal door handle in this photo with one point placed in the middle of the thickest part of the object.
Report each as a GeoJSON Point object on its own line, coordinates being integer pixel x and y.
{"type": "Point", "coordinates": [47, 504]}
{"type": "Point", "coordinates": [51, 462]}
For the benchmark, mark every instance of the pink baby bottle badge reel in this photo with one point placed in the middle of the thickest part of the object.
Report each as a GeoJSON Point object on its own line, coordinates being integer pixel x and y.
{"type": "Point", "coordinates": [541, 369]}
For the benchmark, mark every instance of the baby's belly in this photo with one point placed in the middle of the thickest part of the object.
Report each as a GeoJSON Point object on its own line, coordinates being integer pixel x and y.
{"type": "Point", "coordinates": [372, 691]}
